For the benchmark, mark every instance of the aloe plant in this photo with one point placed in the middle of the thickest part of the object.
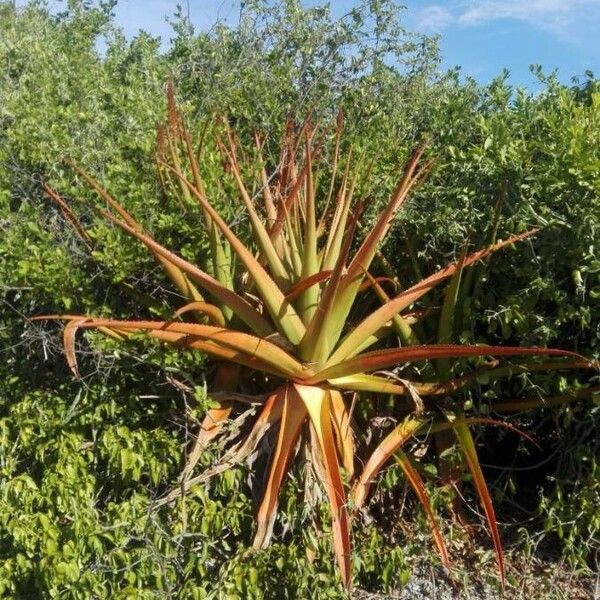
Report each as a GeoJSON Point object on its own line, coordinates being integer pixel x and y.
{"type": "Point", "coordinates": [286, 305]}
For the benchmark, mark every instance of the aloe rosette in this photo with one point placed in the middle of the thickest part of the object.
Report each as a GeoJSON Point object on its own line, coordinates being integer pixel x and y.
{"type": "Point", "coordinates": [283, 305]}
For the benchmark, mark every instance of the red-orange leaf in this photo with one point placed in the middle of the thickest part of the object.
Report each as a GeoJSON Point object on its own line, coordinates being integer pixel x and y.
{"type": "Point", "coordinates": [467, 445]}
{"type": "Point", "coordinates": [292, 419]}
{"type": "Point", "coordinates": [317, 402]}
{"type": "Point", "coordinates": [236, 346]}
{"type": "Point", "coordinates": [240, 307]}
{"type": "Point", "coordinates": [419, 488]}
{"type": "Point", "coordinates": [381, 316]}
{"type": "Point", "coordinates": [340, 420]}
{"type": "Point", "coordinates": [383, 359]}
{"type": "Point", "coordinates": [306, 283]}
{"type": "Point", "coordinates": [384, 451]}
{"type": "Point", "coordinates": [213, 312]}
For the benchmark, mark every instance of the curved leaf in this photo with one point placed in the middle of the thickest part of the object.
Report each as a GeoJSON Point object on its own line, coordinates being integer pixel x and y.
{"type": "Point", "coordinates": [283, 314]}
{"type": "Point", "coordinates": [467, 445]}
{"type": "Point", "coordinates": [383, 359]}
{"type": "Point", "coordinates": [381, 316]}
{"type": "Point", "coordinates": [318, 404]}
{"type": "Point", "coordinates": [232, 345]}
{"type": "Point", "coordinates": [419, 488]}
{"type": "Point", "coordinates": [240, 307]}
{"type": "Point", "coordinates": [384, 451]}
{"type": "Point", "coordinates": [292, 418]}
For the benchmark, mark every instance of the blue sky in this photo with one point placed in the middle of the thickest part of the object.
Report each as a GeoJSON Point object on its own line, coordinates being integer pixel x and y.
{"type": "Point", "coordinates": [486, 35]}
{"type": "Point", "coordinates": [482, 36]}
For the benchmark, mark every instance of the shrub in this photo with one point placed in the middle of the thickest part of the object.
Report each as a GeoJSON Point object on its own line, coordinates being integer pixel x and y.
{"type": "Point", "coordinates": [59, 96]}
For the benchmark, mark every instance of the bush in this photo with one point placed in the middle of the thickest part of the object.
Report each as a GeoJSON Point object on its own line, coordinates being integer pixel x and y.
{"type": "Point", "coordinates": [79, 462]}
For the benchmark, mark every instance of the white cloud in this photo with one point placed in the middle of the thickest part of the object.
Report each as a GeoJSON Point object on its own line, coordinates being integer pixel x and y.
{"type": "Point", "coordinates": [559, 17]}
{"type": "Point", "coordinates": [547, 14]}
{"type": "Point", "coordinates": [434, 18]}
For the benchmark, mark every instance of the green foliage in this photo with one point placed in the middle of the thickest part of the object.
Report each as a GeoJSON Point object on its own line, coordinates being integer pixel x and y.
{"type": "Point", "coordinates": [570, 511]}
{"type": "Point", "coordinates": [77, 520]}
{"type": "Point", "coordinates": [80, 463]}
